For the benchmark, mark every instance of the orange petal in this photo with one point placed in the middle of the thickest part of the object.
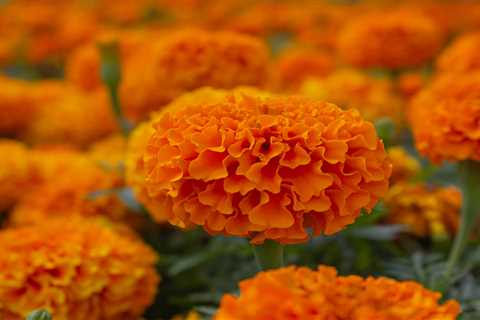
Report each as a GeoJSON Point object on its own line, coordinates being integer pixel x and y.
{"type": "Point", "coordinates": [208, 166]}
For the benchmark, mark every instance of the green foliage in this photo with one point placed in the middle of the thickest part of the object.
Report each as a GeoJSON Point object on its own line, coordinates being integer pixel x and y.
{"type": "Point", "coordinates": [39, 315]}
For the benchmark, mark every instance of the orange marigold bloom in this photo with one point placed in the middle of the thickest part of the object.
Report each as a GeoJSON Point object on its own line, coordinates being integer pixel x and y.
{"type": "Point", "coordinates": [348, 88]}
{"type": "Point", "coordinates": [296, 65]}
{"type": "Point", "coordinates": [186, 60]}
{"type": "Point", "coordinates": [138, 141]}
{"type": "Point", "coordinates": [301, 293]}
{"type": "Point", "coordinates": [404, 166]}
{"type": "Point", "coordinates": [265, 167]}
{"type": "Point", "coordinates": [83, 65]}
{"type": "Point", "coordinates": [451, 104]}
{"type": "Point", "coordinates": [109, 152]}
{"type": "Point", "coordinates": [77, 269]}
{"type": "Point", "coordinates": [462, 55]}
{"type": "Point", "coordinates": [410, 83]}
{"type": "Point", "coordinates": [14, 172]}
{"type": "Point", "coordinates": [69, 184]}
{"type": "Point", "coordinates": [394, 39]}
{"type": "Point", "coordinates": [426, 211]}
{"type": "Point", "coordinates": [16, 105]}
{"type": "Point", "coordinates": [71, 116]}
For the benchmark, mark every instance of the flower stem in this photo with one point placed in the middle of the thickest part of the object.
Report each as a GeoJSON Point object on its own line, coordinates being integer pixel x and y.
{"type": "Point", "coordinates": [269, 255]}
{"type": "Point", "coordinates": [470, 184]}
{"type": "Point", "coordinates": [111, 77]}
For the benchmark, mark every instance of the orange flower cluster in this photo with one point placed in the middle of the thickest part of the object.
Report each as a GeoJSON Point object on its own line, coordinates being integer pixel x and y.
{"type": "Point", "coordinates": [266, 168]}
{"type": "Point", "coordinates": [426, 212]}
{"type": "Point", "coordinates": [77, 270]}
{"type": "Point", "coordinates": [16, 105]}
{"type": "Point", "coordinates": [300, 293]}
{"type": "Point", "coordinates": [349, 88]}
{"type": "Point", "coordinates": [451, 104]}
{"type": "Point", "coordinates": [14, 172]}
{"type": "Point", "coordinates": [394, 39]}
{"type": "Point", "coordinates": [67, 115]}
{"type": "Point", "coordinates": [462, 55]}
{"type": "Point", "coordinates": [68, 183]}
{"type": "Point", "coordinates": [405, 167]}
{"type": "Point", "coordinates": [294, 66]}
{"type": "Point", "coordinates": [186, 60]}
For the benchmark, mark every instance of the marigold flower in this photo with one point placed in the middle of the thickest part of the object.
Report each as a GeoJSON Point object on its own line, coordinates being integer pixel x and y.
{"type": "Point", "coordinates": [69, 184]}
{"type": "Point", "coordinates": [138, 141]}
{"type": "Point", "coordinates": [323, 295]}
{"type": "Point", "coordinates": [83, 65]}
{"type": "Point", "coordinates": [14, 172]}
{"type": "Point", "coordinates": [71, 116]}
{"type": "Point", "coordinates": [109, 152]}
{"type": "Point", "coordinates": [410, 83]}
{"type": "Point", "coordinates": [186, 60]}
{"type": "Point", "coordinates": [451, 104]}
{"type": "Point", "coordinates": [264, 167]}
{"type": "Point", "coordinates": [76, 269]}
{"type": "Point", "coordinates": [45, 34]}
{"type": "Point", "coordinates": [426, 211]}
{"type": "Point", "coordinates": [294, 66]}
{"type": "Point", "coordinates": [16, 105]}
{"type": "Point", "coordinates": [462, 55]}
{"type": "Point", "coordinates": [192, 315]}
{"type": "Point", "coordinates": [404, 165]}
{"type": "Point", "coordinates": [394, 39]}
{"type": "Point", "coordinates": [348, 88]}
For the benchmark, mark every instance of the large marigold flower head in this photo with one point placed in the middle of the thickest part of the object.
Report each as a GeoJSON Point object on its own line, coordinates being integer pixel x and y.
{"type": "Point", "coordinates": [462, 55]}
{"type": "Point", "coordinates": [323, 295]}
{"type": "Point", "coordinates": [76, 269]}
{"type": "Point", "coordinates": [15, 172]}
{"type": "Point", "coordinates": [452, 106]}
{"type": "Point", "coordinates": [138, 141]}
{"type": "Point", "coordinates": [71, 184]}
{"type": "Point", "coordinates": [187, 60]}
{"type": "Point", "coordinates": [265, 167]}
{"type": "Point", "coordinates": [295, 65]}
{"type": "Point", "coordinates": [16, 105]}
{"type": "Point", "coordinates": [373, 97]}
{"type": "Point", "coordinates": [404, 165]}
{"type": "Point", "coordinates": [72, 117]}
{"type": "Point", "coordinates": [395, 39]}
{"type": "Point", "coordinates": [426, 211]}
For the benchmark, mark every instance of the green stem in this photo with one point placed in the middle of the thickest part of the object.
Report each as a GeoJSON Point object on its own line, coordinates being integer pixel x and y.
{"type": "Point", "coordinates": [470, 184]}
{"type": "Point", "coordinates": [269, 255]}
{"type": "Point", "coordinates": [111, 76]}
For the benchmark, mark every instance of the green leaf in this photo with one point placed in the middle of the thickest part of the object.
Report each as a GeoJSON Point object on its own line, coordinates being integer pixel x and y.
{"type": "Point", "coordinates": [41, 314]}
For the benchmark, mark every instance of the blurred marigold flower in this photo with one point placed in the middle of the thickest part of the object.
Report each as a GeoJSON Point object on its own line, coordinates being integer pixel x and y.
{"type": "Point", "coordinates": [404, 166]}
{"type": "Point", "coordinates": [393, 39]}
{"type": "Point", "coordinates": [451, 104]}
{"type": "Point", "coordinates": [15, 172]}
{"type": "Point", "coordinates": [109, 152]}
{"type": "Point", "coordinates": [295, 65]}
{"type": "Point", "coordinates": [68, 183]}
{"type": "Point", "coordinates": [83, 65]}
{"type": "Point", "coordinates": [426, 211]}
{"type": "Point", "coordinates": [301, 293]}
{"type": "Point", "coordinates": [44, 34]}
{"type": "Point", "coordinates": [76, 269]}
{"type": "Point", "coordinates": [17, 105]}
{"type": "Point", "coordinates": [410, 83]}
{"type": "Point", "coordinates": [192, 315]}
{"type": "Point", "coordinates": [264, 167]}
{"type": "Point", "coordinates": [351, 89]}
{"type": "Point", "coordinates": [462, 55]}
{"type": "Point", "coordinates": [186, 60]}
{"type": "Point", "coordinates": [69, 115]}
